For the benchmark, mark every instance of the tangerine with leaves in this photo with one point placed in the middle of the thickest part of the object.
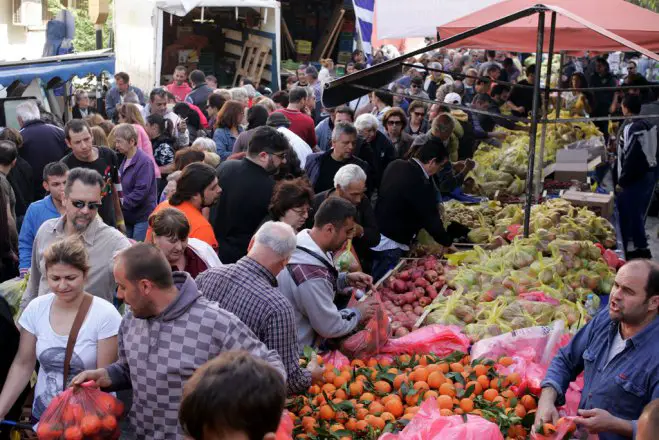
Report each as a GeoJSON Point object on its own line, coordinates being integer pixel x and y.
{"type": "Point", "coordinates": [444, 402]}
{"type": "Point", "coordinates": [382, 387]}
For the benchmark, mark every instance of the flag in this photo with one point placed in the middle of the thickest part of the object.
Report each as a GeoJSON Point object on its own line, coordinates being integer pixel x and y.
{"type": "Point", "coordinates": [364, 13]}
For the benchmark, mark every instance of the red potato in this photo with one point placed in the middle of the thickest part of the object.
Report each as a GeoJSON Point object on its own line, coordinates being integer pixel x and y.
{"type": "Point", "coordinates": [409, 297]}
{"type": "Point", "coordinates": [431, 291]}
{"type": "Point", "coordinates": [418, 273]}
{"type": "Point", "coordinates": [395, 326]}
{"type": "Point", "coordinates": [418, 310]}
{"type": "Point", "coordinates": [409, 285]}
{"type": "Point", "coordinates": [421, 282]}
{"type": "Point", "coordinates": [399, 300]}
{"type": "Point", "coordinates": [388, 304]}
{"type": "Point", "coordinates": [395, 309]}
{"type": "Point", "coordinates": [402, 331]}
{"type": "Point", "coordinates": [407, 308]}
{"type": "Point", "coordinates": [424, 301]}
{"type": "Point", "coordinates": [430, 264]}
{"type": "Point", "coordinates": [400, 316]}
{"type": "Point", "coordinates": [431, 275]}
{"type": "Point", "coordinates": [419, 292]}
{"type": "Point", "coordinates": [415, 303]}
{"type": "Point", "coordinates": [399, 286]}
{"type": "Point", "coordinates": [405, 275]}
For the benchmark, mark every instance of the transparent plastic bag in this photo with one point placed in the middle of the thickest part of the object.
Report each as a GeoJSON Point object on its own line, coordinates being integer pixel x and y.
{"type": "Point", "coordinates": [81, 412]}
{"type": "Point", "coordinates": [428, 424]}
{"type": "Point", "coordinates": [440, 340]}
{"type": "Point", "coordinates": [12, 290]}
{"type": "Point", "coordinates": [346, 259]}
{"type": "Point", "coordinates": [336, 358]}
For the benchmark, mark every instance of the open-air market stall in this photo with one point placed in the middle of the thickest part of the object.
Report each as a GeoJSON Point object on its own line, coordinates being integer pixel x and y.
{"type": "Point", "coordinates": [353, 86]}
{"type": "Point", "coordinates": [226, 38]}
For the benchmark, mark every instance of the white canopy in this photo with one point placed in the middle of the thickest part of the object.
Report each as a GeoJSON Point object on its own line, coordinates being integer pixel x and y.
{"type": "Point", "coordinates": [182, 7]}
{"type": "Point", "coordinates": [420, 18]}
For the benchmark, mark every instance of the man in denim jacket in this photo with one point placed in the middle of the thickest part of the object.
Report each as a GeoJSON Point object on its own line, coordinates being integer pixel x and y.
{"type": "Point", "coordinates": [617, 351]}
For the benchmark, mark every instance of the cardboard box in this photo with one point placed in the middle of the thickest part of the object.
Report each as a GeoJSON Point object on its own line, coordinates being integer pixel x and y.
{"type": "Point", "coordinates": [571, 165]}
{"type": "Point", "coordinates": [600, 204]}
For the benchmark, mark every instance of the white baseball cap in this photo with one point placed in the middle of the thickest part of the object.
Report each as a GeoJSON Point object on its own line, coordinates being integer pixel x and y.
{"type": "Point", "coordinates": [453, 98]}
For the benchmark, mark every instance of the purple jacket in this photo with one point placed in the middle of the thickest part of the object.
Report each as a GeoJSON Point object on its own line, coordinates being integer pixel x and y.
{"type": "Point", "coordinates": [138, 183]}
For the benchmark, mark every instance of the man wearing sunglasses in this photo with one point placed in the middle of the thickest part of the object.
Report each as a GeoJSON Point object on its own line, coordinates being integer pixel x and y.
{"type": "Point", "coordinates": [416, 90]}
{"type": "Point", "coordinates": [81, 202]}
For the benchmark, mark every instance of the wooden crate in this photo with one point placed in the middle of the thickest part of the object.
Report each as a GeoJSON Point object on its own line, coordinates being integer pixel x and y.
{"type": "Point", "coordinates": [252, 62]}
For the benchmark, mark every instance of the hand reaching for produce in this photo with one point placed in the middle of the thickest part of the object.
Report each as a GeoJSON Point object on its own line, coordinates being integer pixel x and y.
{"type": "Point", "coordinates": [316, 370]}
{"type": "Point", "coordinates": [598, 420]}
{"type": "Point", "coordinates": [100, 376]}
{"type": "Point", "coordinates": [366, 308]}
{"type": "Point", "coordinates": [359, 280]}
{"type": "Point", "coordinates": [358, 232]}
{"type": "Point", "coordinates": [546, 412]}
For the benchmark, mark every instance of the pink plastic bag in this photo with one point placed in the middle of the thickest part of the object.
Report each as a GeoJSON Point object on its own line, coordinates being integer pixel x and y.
{"type": "Point", "coordinates": [513, 231]}
{"type": "Point", "coordinates": [285, 429]}
{"type": "Point", "coordinates": [539, 297]}
{"type": "Point", "coordinates": [375, 334]}
{"type": "Point", "coordinates": [428, 424]}
{"type": "Point", "coordinates": [572, 398]}
{"type": "Point", "coordinates": [441, 340]}
{"type": "Point", "coordinates": [336, 358]}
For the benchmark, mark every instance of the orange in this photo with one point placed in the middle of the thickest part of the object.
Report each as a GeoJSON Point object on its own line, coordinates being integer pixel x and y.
{"type": "Point", "coordinates": [495, 383]}
{"type": "Point", "coordinates": [305, 411]}
{"type": "Point", "coordinates": [520, 411]}
{"type": "Point", "coordinates": [356, 389]}
{"type": "Point", "coordinates": [382, 387]}
{"type": "Point", "coordinates": [90, 424]}
{"type": "Point", "coordinates": [412, 399]}
{"type": "Point", "coordinates": [429, 394]}
{"type": "Point", "coordinates": [361, 425]}
{"type": "Point", "coordinates": [444, 367]}
{"type": "Point", "coordinates": [508, 394]}
{"type": "Point", "coordinates": [445, 402]}
{"type": "Point", "coordinates": [436, 379]}
{"type": "Point", "coordinates": [329, 389]}
{"type": "Point", "coordinates": [445, 412]}
{"type": "Point", "coordinates": [398, 381]}
{"type": "Point", "coordinates": [336, 427]}
{"type": "Point", "coordinates": [372, 362]}
{"type": "Point", "coordinates": [484, 381]}
{"type": "Point", "coordinates": [340, 394]}
{"type": "Point", "coordinates": [457, 367]}
{"type": "Point", "coordinates": [326, 412]}
{"type": "Point", "coordinates": [387, 417]}
{"type": "Point", "coordinates": [478, 389]}
{"type": "Point", "coordinates": [362, 413]}
{"type": "Point", "coordinates": [341, 417]}
{"type": "Point", "coordinates": [389, 397]}
{"type": "Point", "coordinates": [424, 360]}
{"type": "Point", "coordinates": [73, 433]}
{"type": "Point", "coordinates": [421, 386]}
{"type": "Point", "coordinates": [351, 424]}
{"type": "Point", "coordinates": [412, 409]}
{"type": "Point", "coordinates": [432, 368]}
{"type": "Point", "coordinates": [404, 358]}
{"type": "Point", "coordinates": [548, 429]}
{"type": "Point", "coordinates": [481, 370]}
{"type": "Point", "coordinates": [562, 421]}
{"type": "Point", "coordinates": [420, 374]}
{"type": "Point", "coordinates": [376, 408]}
{"type": "Point", "coordinates": [446, 389]}
{"type": "Point", "coordinates": [529, 402]}
{"type": "Point", "coordinates": [357, 363]}
{"type": "Point", "coordinates": [514, 378]}
{"type": "Point", "coordinates": [394, 407]}
{"type": "Point", "coordinates": [329, 375]}
{"type": "Point", "coordinates": [408, 416]}
{"type": "Point", "coordinates": [500, 401]}
{"type": "Point", "coordinates": [367, 397]}
{"type": "Point", "coordinates": [361, 378]}
{"type": "Point", "coordinates": [309, 424]}
{"type": "Point", "coordinates": [314, 389]}
{"type": "Point", "coordinates": [375, 422]}
{"type": "Point", "coordinates": [490, 394]}
{"type": "Point", "coordinates": [506, 361]}
{"type": "Point", "coordinates": [467, 405]}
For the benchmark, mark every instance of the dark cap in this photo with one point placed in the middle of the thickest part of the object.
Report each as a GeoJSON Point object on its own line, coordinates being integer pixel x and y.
{"type": "Point", "coordinates": [277, 119]}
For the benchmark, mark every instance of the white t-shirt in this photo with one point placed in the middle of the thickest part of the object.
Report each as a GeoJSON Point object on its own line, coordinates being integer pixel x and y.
{"type": "Point", "coordinates": [301, 148]}
{"type": "Point", "coordinates": [617, 346]}
{"type": "Point", "coordinates": [102, 322]}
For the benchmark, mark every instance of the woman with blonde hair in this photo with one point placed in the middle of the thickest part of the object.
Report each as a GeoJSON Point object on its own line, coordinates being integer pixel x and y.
{"type": "Point", "coordinates": [99, 139]}
{"type": "Point", "coordinates": [45, 326]}
{"type": "Point", "coordinates": [131, 114]}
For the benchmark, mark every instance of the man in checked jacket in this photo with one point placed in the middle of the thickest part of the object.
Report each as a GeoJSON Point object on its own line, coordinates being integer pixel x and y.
{"type": "Point", "coordinates": [170, 331]}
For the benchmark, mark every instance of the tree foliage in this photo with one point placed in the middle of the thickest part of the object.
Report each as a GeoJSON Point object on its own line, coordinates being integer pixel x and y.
{"type": "Point", "coordinates": [653, 5]}
{"type": "Point", "coordinates": [85, 34]}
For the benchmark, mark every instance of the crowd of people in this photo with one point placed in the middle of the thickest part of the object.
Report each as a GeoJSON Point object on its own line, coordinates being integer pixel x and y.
{"type": "Point", "coordinates": [203, 221]}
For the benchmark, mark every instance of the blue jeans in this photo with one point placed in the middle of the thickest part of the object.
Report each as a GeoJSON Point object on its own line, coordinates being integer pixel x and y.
{"type": "Point", "coordinates": [137, 231]}
{"type": "Point", "coordinates": [384, 261]}
{"type": "Point", "coordinates": [633, 203]}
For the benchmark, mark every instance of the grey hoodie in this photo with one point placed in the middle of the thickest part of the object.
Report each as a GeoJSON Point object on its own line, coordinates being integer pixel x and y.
{"type": "Point", "coordinates": [158, 355]}
{"type": "Point", "coordinates": [312, 296]}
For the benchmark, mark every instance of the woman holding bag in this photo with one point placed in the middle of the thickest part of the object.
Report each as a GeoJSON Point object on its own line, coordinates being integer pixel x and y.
{"type": "Point", "coordinates": [67, 330]}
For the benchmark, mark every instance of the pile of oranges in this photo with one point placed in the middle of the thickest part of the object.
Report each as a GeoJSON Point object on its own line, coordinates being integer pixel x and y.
{"type": "Point", "coordinates": [368, 397]}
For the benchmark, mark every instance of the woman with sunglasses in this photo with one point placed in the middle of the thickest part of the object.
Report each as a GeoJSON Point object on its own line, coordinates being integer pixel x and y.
{"type": "Point", "coordinates": [395, 122]}
{"type": "Point", "coordinates": [418, 124]}
{"type": "Point", "coordinates": [45, 326]}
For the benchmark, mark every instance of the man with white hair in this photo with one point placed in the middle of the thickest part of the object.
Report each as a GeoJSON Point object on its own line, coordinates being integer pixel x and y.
{"type": "Point", "coordinates": [42, 143]}
{"type": "Point", "coordinates": [350, 185]}
{"type": "Point", "coordinates": [376, 149]}
{"type": "Point", "coordinates": [248, 289]}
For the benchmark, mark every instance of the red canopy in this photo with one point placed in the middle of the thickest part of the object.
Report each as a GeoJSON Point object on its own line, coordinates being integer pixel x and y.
{"type": "Point", "coordinates": [619, 17]}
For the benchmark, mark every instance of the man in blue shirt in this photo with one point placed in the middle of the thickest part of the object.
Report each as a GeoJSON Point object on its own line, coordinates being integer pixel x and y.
{"type": "Point", "coordinates": [54, 180]}
{"type": "Point", "coordinates": [617, 351]}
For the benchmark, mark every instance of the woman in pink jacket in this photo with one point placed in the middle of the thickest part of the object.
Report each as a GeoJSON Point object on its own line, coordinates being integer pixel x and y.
{"type": "Point", "coordinates": [130, 114]}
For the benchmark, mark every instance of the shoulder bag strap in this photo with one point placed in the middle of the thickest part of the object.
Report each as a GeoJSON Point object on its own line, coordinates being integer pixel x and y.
{"type": "Point", "coordinates": [73, 334]}
{"type": "Point", "coordinates": [329, 267]}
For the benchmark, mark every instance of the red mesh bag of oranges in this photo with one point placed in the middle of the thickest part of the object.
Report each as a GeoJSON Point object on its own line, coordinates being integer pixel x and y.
{"type": "Point", "coordinates": [80, 413]}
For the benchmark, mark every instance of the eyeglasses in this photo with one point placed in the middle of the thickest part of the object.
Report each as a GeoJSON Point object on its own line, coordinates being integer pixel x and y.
{"type": "Point", "coordinates": [301, 211]}
{"type": "Point", "coordinates": [92, 206]}
{"type": "Point", "coordinates": [394, 122]}
{"type": "Point", "coordinates": [281, 155]}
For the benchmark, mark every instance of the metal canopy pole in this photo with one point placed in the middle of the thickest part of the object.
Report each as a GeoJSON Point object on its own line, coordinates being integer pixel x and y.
{"type": "Point", "coordinates": [534, 121]}
{"type": "Point", "coordinates": [560, 77]}
{"type": "Point", "coordinates": [545, 111]}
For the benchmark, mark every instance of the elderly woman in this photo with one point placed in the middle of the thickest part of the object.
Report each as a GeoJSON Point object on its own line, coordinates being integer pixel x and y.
{"type": "Point", "coordinates": [81, 109]}
{"type": "Point", "coordinates": [395, 121]}
{"type": "Point", "coordinates": [350, 184]}
{"type": "Point", "coordinates": [290, 202]}
{"type": "Point", "coordinates": [170, 230]}
{"type": "Point", "coordinates": [131, 114]}
{"type": "Point", "coordinates": [376, 149]}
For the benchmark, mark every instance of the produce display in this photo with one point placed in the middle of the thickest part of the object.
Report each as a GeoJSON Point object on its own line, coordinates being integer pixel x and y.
{"type": "Point", "coordinates": [409, 290]}
{"type": "Point", "coordinates": [366, 398]}
{"type": "Point", "coordinates": [504, 168]}
{"type": "Point", "coordinates": [12, 290]}
{"type": "Point", "coordinates": [555, 218]}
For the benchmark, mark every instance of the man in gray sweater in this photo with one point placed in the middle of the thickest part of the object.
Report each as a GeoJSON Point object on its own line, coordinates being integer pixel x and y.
{"type": "Point", "coordinates": [170, 331]}
{"type": "Point", "coordinates": [310, 280]}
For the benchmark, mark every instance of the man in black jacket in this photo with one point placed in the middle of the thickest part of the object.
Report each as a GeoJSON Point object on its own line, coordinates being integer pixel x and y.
{"type": "Point", "coordinates": [200, 91]}
{"type": "Point", "coordinates": [408, 202]}
{"type": "Point", "coordinates": [247, 186]}
{"type": "Point", "coordinates": [350, 184]}
{"type": "Point", "coordinates": [603, 98]}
